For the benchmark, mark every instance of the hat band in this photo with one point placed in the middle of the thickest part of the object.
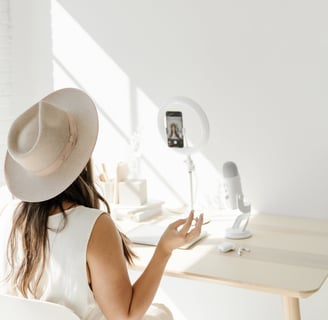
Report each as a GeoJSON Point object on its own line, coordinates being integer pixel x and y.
{"type": "Point", "coordinates": [66, 151]}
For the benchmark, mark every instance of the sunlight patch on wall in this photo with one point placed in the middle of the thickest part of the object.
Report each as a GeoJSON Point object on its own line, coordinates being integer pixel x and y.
{"type": "Point", "coordinates": [126, 113]}
{"type": "Point", "coordinates": [80, 62]}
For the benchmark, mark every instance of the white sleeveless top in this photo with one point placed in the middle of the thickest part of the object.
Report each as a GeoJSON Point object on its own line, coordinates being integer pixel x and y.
{"type": "Point", "coordinates": [65, 278]}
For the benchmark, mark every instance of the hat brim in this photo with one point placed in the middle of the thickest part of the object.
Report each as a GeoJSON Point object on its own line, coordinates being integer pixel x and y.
{"type": "Point", "coordinates": [33, 188]}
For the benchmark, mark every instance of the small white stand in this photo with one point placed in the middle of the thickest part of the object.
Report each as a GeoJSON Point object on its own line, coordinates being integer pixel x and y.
{"type": "Point", "coordinates": [238, 229]}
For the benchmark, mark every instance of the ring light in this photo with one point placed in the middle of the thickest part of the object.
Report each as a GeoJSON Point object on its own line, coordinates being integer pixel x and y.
{"type": "Point", "coordinates": [195, 123]}
{"type": "Point", "coordinates": [192, 124]}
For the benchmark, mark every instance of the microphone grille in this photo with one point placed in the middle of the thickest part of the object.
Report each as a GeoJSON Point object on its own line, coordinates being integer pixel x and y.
{"type": "Point", "coordinates": [230, 169]}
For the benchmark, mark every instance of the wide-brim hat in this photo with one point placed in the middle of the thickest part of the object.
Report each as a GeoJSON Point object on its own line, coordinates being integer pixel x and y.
{"type": "Point", "coordinates": [50, 144]}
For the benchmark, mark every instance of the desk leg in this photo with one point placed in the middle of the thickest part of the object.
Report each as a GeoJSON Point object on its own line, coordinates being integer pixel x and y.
{"type": "Point", "coordinates": [291, 308]}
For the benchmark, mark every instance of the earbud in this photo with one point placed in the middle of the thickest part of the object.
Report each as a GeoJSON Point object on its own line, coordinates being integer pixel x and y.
{"type": "Point", "coordinates": [241, 250]}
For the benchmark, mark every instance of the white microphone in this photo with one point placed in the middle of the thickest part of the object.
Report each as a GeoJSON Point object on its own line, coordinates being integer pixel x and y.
{"type": "Point", "coordinates": [235, 200]}
{"type": "Point", "coordinates": [232, 184]}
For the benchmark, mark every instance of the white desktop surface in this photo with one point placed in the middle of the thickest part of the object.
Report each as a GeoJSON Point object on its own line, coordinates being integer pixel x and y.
{"type": "Point", "coordinates": [288, 256]}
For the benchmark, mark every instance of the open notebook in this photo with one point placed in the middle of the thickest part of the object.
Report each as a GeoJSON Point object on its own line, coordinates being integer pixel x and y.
{"type": "Point", "coordinates": [149, 234]}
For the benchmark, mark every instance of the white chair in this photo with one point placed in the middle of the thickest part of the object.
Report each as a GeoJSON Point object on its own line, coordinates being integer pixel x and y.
{"type": "Point", "coordinates": [15, 308]}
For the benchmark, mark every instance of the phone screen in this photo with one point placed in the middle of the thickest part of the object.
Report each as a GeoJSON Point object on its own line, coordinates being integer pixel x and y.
{"type": "Point", "coordinates": [174, 129]}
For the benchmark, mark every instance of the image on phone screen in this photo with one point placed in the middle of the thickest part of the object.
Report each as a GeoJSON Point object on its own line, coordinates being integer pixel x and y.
{"type": "Point", "coordinates": [174, 129]}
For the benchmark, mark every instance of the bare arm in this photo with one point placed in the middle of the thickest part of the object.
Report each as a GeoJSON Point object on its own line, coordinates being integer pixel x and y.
{"type": "Point", "coordinates": [116, 296]}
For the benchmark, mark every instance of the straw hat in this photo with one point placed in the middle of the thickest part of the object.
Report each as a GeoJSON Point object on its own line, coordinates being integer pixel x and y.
{"type": "Point", "coordinates": [50, 144]}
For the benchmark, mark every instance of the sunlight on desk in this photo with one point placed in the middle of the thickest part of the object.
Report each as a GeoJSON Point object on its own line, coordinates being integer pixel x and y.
{"type": "Point", "coordinates": [288, 256]}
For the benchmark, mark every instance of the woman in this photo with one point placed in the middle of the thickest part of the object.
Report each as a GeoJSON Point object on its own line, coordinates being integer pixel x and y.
{"type": "Point", "coordinates": [175, 139]}
{"type": "Point", "coordinates": [57, 244]}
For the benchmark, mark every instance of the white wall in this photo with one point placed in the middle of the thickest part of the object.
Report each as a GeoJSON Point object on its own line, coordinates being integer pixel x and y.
{"type": "Point", "coordinates": [25, 61]}
{"type": "Point", "coordinates": [258, 68]}
{"type": "Point", "coordinates": [5, 77]}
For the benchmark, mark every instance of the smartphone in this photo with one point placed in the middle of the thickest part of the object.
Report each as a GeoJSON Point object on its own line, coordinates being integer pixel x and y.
{"type": "Point", "coordinates": [174, 129]}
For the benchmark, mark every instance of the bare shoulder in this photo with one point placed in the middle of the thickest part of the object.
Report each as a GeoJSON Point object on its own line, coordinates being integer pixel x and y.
{"type": "Point", "coordinates": [104, 238]}
{"type": "Point", "coordinates": [103, 223]}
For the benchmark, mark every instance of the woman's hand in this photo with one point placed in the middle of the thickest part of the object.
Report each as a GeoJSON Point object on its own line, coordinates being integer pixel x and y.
{"type": "Point", "coordinates": [180, 232]}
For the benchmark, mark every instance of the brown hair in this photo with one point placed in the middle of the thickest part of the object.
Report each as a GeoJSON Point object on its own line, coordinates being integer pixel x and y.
{"type": "Point", "coordinates": [30, 227]}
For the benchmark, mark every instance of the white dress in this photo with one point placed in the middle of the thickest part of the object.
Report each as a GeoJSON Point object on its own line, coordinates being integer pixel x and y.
{"type": "Point", "coordinates": [65, 278]}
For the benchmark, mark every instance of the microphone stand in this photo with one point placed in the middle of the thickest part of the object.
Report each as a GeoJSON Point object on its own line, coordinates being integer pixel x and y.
{"type": "Point", "coordinates": [237, 231]}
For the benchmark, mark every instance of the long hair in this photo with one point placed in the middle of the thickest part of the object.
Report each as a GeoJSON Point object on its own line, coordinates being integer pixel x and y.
{"type": "Point", "coordinates": [30, 231]}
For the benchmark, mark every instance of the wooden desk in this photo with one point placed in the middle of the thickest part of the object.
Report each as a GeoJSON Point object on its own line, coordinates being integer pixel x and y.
{"type": "Point", "coordinates": [288, 256]}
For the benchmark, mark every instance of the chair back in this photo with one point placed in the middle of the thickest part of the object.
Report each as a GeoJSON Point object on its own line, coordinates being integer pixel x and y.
{"type": "Point", "coordinates": [16, 308]}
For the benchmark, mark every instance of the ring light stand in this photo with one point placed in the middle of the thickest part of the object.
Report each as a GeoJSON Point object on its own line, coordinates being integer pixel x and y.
{"type": "Point", "coordinates": [186, 106]}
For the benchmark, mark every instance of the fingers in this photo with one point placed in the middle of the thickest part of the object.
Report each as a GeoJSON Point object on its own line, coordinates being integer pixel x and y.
{"type": "Point", "coordinates": [199, 221]}
{"type": "Point", "coordinates": [188, 223]}
{"type": "Point", "coordinates": [181, 232]}
{"type": "Point", "coordinates": [195, 232]}
{"type": "Point", "coordinates": [187, 231]}
{"type": "Point", "coordinates": [178, 223]}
